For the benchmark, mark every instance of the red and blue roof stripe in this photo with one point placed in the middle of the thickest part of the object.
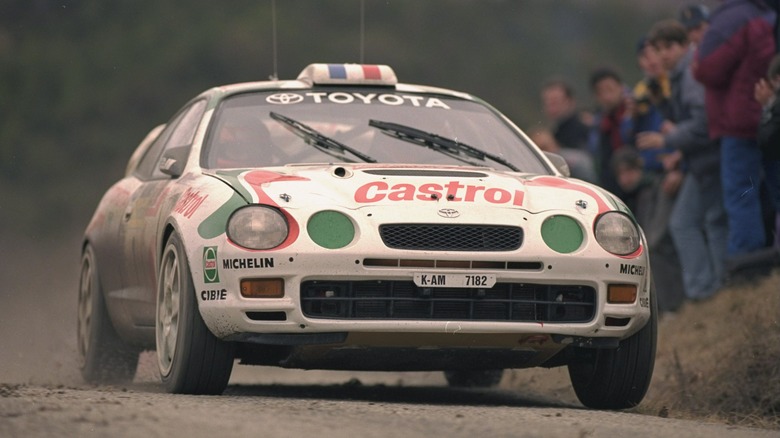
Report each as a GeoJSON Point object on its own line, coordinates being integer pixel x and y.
{"type": "Point", "coordinates": [356, 71]}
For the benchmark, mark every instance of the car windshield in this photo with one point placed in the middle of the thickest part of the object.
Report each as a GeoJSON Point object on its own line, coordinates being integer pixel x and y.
{"type": "Point", "coordinates": [362, 125]}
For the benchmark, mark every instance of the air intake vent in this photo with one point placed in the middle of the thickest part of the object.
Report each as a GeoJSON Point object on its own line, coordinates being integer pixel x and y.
{"type": "Point", "coordinates": [436, 237]}
{"type": "Point", "coordinates": [394, 300]}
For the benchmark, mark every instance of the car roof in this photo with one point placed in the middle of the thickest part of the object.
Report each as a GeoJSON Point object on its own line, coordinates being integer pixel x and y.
{"type": "Point", "coordinates": [314, 75]}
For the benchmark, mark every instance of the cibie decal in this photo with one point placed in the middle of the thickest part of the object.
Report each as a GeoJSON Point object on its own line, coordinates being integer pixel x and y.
{"type": "Point", "coordinates": [210, 268]}
{"type": "Point", "coordinates": [211, 295]}
{"type": "Point", "coordinates": [453, 191]}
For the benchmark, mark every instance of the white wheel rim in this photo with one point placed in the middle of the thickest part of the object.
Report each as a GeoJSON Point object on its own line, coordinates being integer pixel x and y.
{"type": "Point", "coordinates": [84, 309]}
{"type": "Point", "coordinates": [168, 296]}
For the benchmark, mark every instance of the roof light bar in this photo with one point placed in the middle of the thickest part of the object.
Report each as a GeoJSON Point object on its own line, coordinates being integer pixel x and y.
{"type": "Point", "coordinates": [345, 74]}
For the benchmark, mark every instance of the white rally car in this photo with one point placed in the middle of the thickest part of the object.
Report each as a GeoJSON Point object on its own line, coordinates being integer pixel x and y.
{"type": "Point", "coordinates": [346, 221]}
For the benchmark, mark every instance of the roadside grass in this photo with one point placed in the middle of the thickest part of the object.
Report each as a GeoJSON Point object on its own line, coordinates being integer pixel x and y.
{"type": "Point", "coordinates": [717, 361]}
{"type": "Point", "coordinates": [720, 359]}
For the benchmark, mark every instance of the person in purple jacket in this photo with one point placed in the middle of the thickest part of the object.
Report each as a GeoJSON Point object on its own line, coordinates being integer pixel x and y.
{"type": "Point", "coordinates": [733, 55]}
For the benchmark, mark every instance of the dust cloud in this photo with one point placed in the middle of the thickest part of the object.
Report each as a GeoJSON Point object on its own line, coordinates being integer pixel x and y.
{"type": "Point", "coordinates": [38, 309]}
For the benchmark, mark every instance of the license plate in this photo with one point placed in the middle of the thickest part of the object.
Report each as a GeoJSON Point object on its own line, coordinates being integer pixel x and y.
{"type": "Point", "coordinates": [454, 280]}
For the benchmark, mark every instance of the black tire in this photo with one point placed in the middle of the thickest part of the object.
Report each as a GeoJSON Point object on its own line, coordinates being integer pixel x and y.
{"type": "Point", "coordinates": [618, 378]}
{"type": "Point", "coordinates": [190, 358]}
{"type": "Point", "coordinates": [474, 378]}
{"type": "Point", "coordinates": [103, 357]}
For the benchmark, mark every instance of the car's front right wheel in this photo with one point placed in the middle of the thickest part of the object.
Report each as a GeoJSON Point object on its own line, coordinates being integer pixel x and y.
{"type": "Point", "coordinates": [104, 358]}
{"type": "Point", "coordinates": [190, 358]}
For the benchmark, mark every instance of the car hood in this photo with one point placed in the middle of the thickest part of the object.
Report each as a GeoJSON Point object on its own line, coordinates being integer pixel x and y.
{"type": "Point", "coordinates": [458, 188]}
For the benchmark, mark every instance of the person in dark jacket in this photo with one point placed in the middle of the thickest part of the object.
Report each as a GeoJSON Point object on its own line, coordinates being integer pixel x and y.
{"type": "Point", "coordinates": [645, 196]}
{"type": "Point", "coordinates": [560, 108]}
{"type": "Point", "coordinates": [651, 101]}
{"type": "Point", "coordinates": [767, 93]}
{"type": "Point", "coordinates": [698, 220]}
{"type": "Point", "coordinates": [775, 4]}
{"type": "Point", "coordinates": [733, 55]}
{"type": "Point", "coordinates": [613, 125]}
{"type": "Point", "coordinates": [695, 19]}
{"type": "Point", "coordinates": [569, 134]}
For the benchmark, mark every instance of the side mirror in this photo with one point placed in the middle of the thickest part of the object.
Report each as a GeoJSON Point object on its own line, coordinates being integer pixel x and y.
{"type": "Point", "coordinates": [174, 160]}
{"type": "Point", "coordinates": [559, 163]}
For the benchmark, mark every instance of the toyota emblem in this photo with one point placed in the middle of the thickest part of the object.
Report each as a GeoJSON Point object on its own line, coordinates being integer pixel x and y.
{"type": "Point", "coordinates": [449, 213]}
{"type": "Point", "coordinates": [284, 98]}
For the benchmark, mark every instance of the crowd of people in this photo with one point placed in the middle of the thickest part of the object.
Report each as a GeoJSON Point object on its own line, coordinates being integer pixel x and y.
{"type": "Point", "coordinates": [693, 148]}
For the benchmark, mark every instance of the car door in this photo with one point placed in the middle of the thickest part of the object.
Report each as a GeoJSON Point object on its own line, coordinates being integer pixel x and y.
{"type": "Point", "coordinates": [143, 214]}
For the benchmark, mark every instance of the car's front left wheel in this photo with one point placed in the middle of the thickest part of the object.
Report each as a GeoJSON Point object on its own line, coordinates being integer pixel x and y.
{"type": "Point", "coordinates": [191, 359]}
{"type": "Point", "coordinates": [618, 378]}
{"type": "Point", "coordinates": [103, 356]}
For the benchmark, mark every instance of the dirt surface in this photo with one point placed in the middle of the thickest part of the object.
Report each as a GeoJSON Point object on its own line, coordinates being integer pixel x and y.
{"type": "Point", "coordinates": [41, 392]}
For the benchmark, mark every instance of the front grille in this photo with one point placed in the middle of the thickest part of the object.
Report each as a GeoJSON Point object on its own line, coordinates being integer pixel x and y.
{"type": "Point", "coordinates": [436, 237]}
{"type": "Point", "coordinates": [403, 300]}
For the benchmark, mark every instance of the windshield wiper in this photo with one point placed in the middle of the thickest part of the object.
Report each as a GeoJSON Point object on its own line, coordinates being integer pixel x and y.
{"type": "Point", "coordinates": [318, 140]}
{"type": "Point", "coordinates": [445, 145]}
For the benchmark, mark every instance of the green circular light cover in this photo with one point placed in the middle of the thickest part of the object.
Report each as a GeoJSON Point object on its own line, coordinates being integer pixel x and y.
{"type": "Point", "coordinates": [330, 229]}
{"type": "Point", "coordinates": [562, 234]}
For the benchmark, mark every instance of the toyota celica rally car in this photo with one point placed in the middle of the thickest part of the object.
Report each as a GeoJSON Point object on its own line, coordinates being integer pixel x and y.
{"type": "Point", "coordinates": [346, 221]}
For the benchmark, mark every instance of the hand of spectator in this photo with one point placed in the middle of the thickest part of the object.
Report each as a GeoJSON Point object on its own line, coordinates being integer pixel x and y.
{"type": "Point", "coordinates": [545, 140]}
{"type": "Point", "coordinates": [649, 140]}
{"type": "Point", "coordinates": [630, 105]}
{"type": "Point", "coordinates": [672, 161]}
{"type": "Point", "coordinates": [763, 92]}
{"type": "Point", "coordinates": [668, 126]}
{"type": "Point", "coordinates": [672, 182]}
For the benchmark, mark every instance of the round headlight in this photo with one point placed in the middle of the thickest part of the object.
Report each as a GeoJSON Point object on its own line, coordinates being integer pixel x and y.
{"type": "Point", "coordinates": [257, 227]}
{"type": "Point", "coordinates": [616, 233]}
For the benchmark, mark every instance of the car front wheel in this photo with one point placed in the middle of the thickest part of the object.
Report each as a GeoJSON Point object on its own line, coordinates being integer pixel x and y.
{"type": "Point", "coordinates": [191, 359]}
{"type": "Point", "coordinates": [617, 378]}
{"type": "Point", "coordinates": [103, 356]}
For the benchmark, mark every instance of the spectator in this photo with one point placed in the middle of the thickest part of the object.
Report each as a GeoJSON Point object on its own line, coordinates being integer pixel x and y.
{"type": "Point", "coordinates": [580, 162]}
{"type": "Point", "coordinates": [698, 220]}
{"type": "Point", "coordinates": [695, 18]}
{"type": "Point", "coordinates": [645, 197]}
{"type": "Point", "coordinates": [767, 93]}
{"type": "Point", "coordinates": [612, 125]}
{"type": "Point", "coordinates": [651, 96]}
{"type": "Point", "coordinates": [733, 55]}
{"type": "Point", "coordinates": [561, 110]}
{"type": "Point", "coordinates": [775, 4]}
{"type": "Point", "coordinates": [569, 133]}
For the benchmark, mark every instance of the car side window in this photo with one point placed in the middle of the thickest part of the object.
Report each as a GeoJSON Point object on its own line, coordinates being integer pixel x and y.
{"type": "Point", "coordinates": [179, 132]}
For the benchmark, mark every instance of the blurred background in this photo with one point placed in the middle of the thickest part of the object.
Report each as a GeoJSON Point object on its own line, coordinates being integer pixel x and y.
{"type": "Point", "coordinates": [82, 82]}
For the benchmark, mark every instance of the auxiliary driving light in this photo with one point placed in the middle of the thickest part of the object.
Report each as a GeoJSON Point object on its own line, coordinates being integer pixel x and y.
{"type": "Point", "coordinates": [621, 294]}
{"type": "Point", "coordinates": [262, 288]}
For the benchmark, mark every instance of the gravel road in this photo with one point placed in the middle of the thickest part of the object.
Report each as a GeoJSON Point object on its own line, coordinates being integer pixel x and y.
{"type": "Point", "coordinates": [398, 408]}
{"type": "Point", "coordinates": [41, 393]}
